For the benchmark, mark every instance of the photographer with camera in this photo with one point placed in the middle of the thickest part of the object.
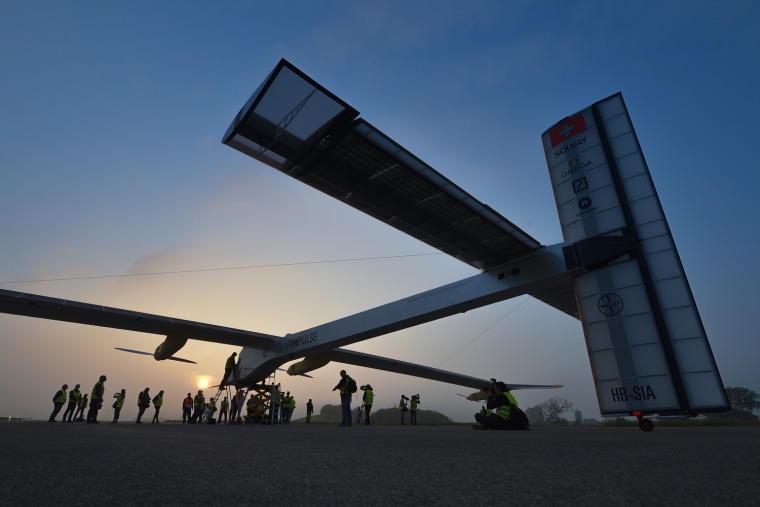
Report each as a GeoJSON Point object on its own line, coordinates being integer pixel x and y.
{"type": "Point", "coordinates": [402, 408]}
{"type": "Point", "coordinates": [501, 400]}
{"type": "Point", "coordinates": [413, 409]}
{"type": "Point", "coordinates": [367, 400]}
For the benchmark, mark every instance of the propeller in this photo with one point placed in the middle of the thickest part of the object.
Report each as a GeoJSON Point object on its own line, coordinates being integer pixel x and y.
{"type": "Point", "coordinates": [150, 354]}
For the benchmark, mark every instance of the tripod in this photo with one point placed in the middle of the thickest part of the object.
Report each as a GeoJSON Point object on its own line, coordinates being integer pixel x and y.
{"type": "Point", "coordinates": [359, 415]}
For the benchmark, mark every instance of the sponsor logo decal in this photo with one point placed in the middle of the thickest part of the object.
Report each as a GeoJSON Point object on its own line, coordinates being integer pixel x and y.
{"type": "Point", "coordinates": [297, 341]}
{"type": "Point", "coordinates": [575, 166]}
{"type": "Point", "coordinates": [585, 206]}
{"type": "Point", "coordinates": [567, 129]}
{"type": "Point", "coordinates": [579, 185]}
{"type": "Point", "coordinates": [610, 304]}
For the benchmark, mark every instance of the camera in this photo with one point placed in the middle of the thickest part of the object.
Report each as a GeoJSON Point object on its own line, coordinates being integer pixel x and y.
{"type": "Point", "coordinates": [416, 397]}
{"type": "Point", "coordinates": [491, 387]}
{"type": "Point", "coordinates": [403, 397]}
{"type": "Point", "coordinates": [363, 388]}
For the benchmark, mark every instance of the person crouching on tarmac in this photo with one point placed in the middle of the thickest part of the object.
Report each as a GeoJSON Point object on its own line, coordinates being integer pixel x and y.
{"type": "Point", "coordinates": [501, 400]}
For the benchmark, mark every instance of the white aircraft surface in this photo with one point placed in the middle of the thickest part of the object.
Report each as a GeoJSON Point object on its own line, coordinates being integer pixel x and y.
{"type": "Point", "coordinates": [617, 272]}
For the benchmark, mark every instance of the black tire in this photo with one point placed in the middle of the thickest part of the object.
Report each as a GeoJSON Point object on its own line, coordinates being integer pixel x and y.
{"type": "Point", "coordinates": [646, 425]}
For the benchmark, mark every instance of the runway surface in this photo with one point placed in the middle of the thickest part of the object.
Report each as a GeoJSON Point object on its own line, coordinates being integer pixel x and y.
{"type": "Point", "coordinates": [320, 464]}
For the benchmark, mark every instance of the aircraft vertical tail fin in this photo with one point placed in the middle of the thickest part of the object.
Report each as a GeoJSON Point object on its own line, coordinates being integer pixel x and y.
{"type": "Point", "coordinates": [648, 348]}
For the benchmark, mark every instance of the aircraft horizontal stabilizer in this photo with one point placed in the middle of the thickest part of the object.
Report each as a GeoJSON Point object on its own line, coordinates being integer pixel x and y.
{"type": "Point", "coordinates": [172, 358]}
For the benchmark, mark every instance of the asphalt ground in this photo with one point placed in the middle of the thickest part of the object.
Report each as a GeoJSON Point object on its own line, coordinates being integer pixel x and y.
{"type": "Point", "coordinates": [320, 464]}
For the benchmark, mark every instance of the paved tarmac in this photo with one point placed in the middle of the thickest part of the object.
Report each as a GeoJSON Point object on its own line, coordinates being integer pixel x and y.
{"type": "Point", "coordinates": [320, 464]}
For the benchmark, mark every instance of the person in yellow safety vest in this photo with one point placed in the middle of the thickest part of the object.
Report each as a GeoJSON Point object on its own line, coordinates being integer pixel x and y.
{"type": "Point", "coordinates": [158, 400]}
{"type": "Point", "coordinates": [413, 409]}
{"type": "Point", "coordinates": [229, 368]}
{"type": "Point", "coordinates": [501, 400]}
{"type": "Point", "coordinates": [286, 407]}
{"type": "Point", "coordinates": [346, 393]}
{"type": "Point", "coordinates": [250, 410]}
{"type": "Point", "coordinates": [74, 396]}
{"type": "Point", "coordinates": [118, 404]}
{"type": "Point", "coordinates": [79, 416]}
{"type": "Point", "coordinates": [59, 398]}
{"type": "Point", "coordinates": [291, 407]}
{"type": "Point", "coordinates": [96, 400]}
{"type": "Point", "coordinates": [199, 403]}
{"type": "Point", "coordinates": [402, 408]}
{"type": "Point", "coordinates": [261, 408]}
{"type": "Point", "coordinates": [223, 410]}
{"type": "Point", "coordinates": [367, 399]}
{"type": "Point", "coordinates": [143, 402]}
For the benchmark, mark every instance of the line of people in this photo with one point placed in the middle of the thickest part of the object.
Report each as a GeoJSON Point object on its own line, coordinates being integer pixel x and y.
{"type": "Point", "coordinates": [77, 402]}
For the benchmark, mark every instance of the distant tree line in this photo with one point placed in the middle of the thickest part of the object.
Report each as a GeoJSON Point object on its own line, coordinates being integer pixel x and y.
{"type": "Point", "coordinates": [743, 403]}
{"type": "Point", "coordinates": [550, 411]}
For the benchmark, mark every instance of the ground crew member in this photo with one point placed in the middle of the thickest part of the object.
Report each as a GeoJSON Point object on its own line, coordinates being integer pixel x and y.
{"type": "Point", "coordinates": [158, 400]}
{"type": "Point", "coordinates": [59, 398]}
{"type": "Point", "coordinates": [199, 404]}
{"type": "Point", "coordinates": [79, 416]}
{"type": "Point", "coordinates": [367, 399]}
{"type": "Point", "coordinates": [402, 408]}
{"type": "Point", "coordinates": [118, 404]}
{"type": "Point", "coordinates": [187, 408]}
{"type": "Point", "coordinates": [413, 409]}
{"type": "Point", "coordinates": [285, 407]}
{"type": "Point", "coordinates": [345, 398]}
{"type": "Point", "coordinates": [261, 408]}
{"type": "Point", "coordinates": [291, 406]}
{"type": "Point", "coordinates": [223, 410]}
{"type": "Point", "coordinates": [502, 400]}
{"type": "Point", "coordinates": [143, 402]}
{"type": "Point", "coordinates": [74, 396]}
{"type": "Point", "coordinates": [309, 410]}
{"type": "Point", "coordinates": [229, 368]}
{"type": "Point", "coordinates": [96, 400]}
{"type": "Point", "coordinates": [234, 410]}
{"type": "Point", "coordinates": [274, 411]}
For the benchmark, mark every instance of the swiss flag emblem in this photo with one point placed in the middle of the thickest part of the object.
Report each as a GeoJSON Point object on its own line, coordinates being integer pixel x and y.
{"type": "Point", "coordinates": [566, 129]}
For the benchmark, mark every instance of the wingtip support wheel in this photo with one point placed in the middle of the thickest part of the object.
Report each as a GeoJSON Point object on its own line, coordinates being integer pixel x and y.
{"type": "Point", "coordinates": [645, 424]}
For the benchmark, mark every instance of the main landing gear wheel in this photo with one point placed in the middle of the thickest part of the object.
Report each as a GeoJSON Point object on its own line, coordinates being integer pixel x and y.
{"type": "Point", "coordinates": [645, 424]}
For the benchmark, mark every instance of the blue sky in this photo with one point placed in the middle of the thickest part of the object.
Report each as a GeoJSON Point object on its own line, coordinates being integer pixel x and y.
{"type": "Point", "coordinates": [111, 164]}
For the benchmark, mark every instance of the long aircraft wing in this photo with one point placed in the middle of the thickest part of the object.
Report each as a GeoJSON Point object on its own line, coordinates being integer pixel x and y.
{"type": "Point", "coordinates": [43, 307]}
{"type": "Point", "coordinates": [298, 127]}
{"type": "Point", "coordinates": [416, 370]}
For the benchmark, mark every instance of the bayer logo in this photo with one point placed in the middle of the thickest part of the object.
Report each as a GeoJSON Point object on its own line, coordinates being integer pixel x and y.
{"type": "Point", "coordinates": [610, 304]}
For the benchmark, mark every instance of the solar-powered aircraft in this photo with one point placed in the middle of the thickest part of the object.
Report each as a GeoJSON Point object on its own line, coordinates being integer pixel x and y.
{"type": "Point", "coordinates": [617, 271]}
